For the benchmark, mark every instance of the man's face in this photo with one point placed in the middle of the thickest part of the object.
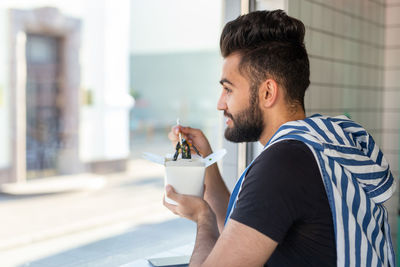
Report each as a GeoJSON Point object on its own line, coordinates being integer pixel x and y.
{"type": "Point", "coordinates": [243, 115]}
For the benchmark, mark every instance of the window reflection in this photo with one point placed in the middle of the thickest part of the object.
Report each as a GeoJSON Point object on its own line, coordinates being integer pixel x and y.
{"type": "Point", "coordinates": [85, 88]}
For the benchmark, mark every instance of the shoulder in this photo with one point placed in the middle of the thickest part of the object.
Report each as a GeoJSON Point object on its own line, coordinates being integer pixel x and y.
{"type": "Point", "coordinates": [286, 149]}
{"type": "Point", "coordinates": [285, 157]}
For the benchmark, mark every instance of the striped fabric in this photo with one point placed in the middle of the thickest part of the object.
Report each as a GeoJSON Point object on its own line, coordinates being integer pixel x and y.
{"type": "Point", "coordinates": [357, 180]}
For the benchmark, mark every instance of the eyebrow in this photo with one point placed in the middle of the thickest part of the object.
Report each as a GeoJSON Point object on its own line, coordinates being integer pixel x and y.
{"type": "Point", "coordinates": [225, 81]}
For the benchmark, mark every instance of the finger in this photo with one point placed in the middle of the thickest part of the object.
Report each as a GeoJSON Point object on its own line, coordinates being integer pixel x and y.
{"type": "Point", "coordinates": [190, 137]}
{"type": "Point", "coordinates": [172, 136]}
{"type": "Point", "coordinates": [169, 206]}
{"type": "Point", "coordinates": [175, 133]}
{"type": "Point", "coordinates": [176, 129]}
{"type": "Point", "coordinates": [170, 192]}
{"type": "Point", "coordinates": [189, 130]}
{"type": "Point", "coordinates": [194, 152]}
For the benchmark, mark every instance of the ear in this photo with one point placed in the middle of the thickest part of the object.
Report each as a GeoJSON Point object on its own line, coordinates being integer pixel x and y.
{"type": "Point", "coordinates": [268, 93]}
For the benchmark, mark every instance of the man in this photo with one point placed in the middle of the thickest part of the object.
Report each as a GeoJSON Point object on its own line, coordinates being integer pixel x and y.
{"type": "Point", "coordinates": [314, 196]}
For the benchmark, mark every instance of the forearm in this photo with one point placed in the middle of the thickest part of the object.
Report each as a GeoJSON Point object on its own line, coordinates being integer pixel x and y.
{"type": "Point", "coordinates": [217, 194]}
{"type": "Point", "coordinates": [207, 235]}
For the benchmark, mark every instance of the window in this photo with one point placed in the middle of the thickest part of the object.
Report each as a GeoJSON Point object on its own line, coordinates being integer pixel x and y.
{"type": "Point", "coordinates": [85, 88]}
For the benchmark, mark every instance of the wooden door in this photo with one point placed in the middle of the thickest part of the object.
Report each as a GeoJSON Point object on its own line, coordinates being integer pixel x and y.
{"type": "Point", "coordinates": [43, 111]}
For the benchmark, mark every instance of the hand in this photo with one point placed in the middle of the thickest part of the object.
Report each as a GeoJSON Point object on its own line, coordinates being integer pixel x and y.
{"type": "Point", "coordinates": [194, 136]}
{"type": "Point", "coordinates": [190, 207]}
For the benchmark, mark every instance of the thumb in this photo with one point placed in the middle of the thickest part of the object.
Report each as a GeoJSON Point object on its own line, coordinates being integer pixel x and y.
{"type": "Point", "coordinates": [170, 192]}
{"type": "Point", "coordinates": [177, 129]}
{"type": "Point", "coordinates": [187, 130]}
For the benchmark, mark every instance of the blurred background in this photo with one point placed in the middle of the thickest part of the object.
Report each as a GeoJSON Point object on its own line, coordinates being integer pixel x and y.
{"type": "Point", "coordinates": [87, 86]}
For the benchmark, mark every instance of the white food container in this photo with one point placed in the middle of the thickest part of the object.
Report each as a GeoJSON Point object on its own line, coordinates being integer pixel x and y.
{"type": "Point", "coordinates": [185, 175]}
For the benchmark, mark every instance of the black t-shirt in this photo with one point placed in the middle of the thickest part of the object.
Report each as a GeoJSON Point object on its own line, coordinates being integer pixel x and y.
{"type": "Point", "coordinates": [283, 197]}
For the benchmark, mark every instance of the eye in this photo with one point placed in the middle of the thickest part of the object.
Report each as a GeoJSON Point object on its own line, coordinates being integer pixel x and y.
{"type": "Point", "coordinates": [228, 91]}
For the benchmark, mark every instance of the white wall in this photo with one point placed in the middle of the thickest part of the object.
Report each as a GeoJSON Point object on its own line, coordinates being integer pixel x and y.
{"type": "Point", "coordinates": [71, 7]}
{"type": "Point", "coordinates": [391, 100]}
{"type": "Point", "coordinates": [349, 71]}
{"type": "Point", "coordinates": [163, 22]}
{"type": "Point", "coordinates": [345, 42]}
{"type": "Point", "coordinates": [5, 141]}
{"type": "Point", "coordinates": [105, 61]}
{"type": "Point", "coordinates": [104, 56]}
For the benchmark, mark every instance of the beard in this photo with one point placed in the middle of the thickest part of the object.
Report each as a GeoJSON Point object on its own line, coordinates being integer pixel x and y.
{"type": "Point", "coordinates": [248, 124]}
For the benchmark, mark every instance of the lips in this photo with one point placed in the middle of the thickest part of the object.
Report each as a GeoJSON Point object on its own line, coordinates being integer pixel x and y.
{"type": "Point", "coordinates": [228, 117]}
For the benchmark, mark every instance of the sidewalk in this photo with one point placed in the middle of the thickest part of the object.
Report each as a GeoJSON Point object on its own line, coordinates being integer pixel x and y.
{"type": "Point", "coordinates": [120, 210]}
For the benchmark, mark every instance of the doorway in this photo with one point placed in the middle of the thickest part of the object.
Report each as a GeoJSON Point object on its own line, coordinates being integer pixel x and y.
{"type": "Point", "coordinates": [45, 74]}
{"type": "Point", "coordinates": [43, 111]}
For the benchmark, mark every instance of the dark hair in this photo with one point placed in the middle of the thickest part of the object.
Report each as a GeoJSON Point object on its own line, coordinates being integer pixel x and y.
{"type": "Point", "coordinates": [271, 44]}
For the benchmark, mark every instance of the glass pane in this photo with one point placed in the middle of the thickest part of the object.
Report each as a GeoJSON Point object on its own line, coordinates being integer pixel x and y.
{"type": "Point", "coordinates": [175, 66]}
{"type": "Point", "coordinates": [85, 88]}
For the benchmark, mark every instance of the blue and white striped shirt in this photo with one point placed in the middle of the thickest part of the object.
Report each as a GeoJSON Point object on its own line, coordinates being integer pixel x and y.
{"type": "Point", "coordinates": [357, 181]}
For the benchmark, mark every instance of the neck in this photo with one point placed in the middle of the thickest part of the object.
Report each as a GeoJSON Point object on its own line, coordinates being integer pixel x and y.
{"type": "Point", "coordinates": [274, 121]}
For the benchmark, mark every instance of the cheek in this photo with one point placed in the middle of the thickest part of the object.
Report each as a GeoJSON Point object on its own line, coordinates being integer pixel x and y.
{"type": "Point", "coordinates": [237, 103]}
{"type": "Point", "coordinates": [231, 102]}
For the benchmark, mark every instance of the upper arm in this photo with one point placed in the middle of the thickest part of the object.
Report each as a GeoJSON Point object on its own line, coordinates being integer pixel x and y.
{"type": "Point", "coordinates": [240, 245]}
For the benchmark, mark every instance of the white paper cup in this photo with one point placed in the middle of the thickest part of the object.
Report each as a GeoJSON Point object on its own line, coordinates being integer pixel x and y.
{"type": "Point", "coordinates": [186, 176]}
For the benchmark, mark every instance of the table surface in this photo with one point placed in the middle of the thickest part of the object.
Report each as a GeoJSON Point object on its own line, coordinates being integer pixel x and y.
{"type": "Point", "coordinates": [178, 251]}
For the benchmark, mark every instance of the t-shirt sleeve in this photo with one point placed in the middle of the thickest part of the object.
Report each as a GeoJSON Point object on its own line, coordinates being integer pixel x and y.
{"type": "Point", "coordinates": [270, 200]}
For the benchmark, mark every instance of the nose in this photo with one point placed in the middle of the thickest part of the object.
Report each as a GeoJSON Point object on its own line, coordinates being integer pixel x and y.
{"type": "Point", "coordinates": [221, 105]}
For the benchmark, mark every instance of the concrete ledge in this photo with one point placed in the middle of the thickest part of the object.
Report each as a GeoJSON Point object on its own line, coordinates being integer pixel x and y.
{"type": "Point", "coordinates": [107, 166]}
